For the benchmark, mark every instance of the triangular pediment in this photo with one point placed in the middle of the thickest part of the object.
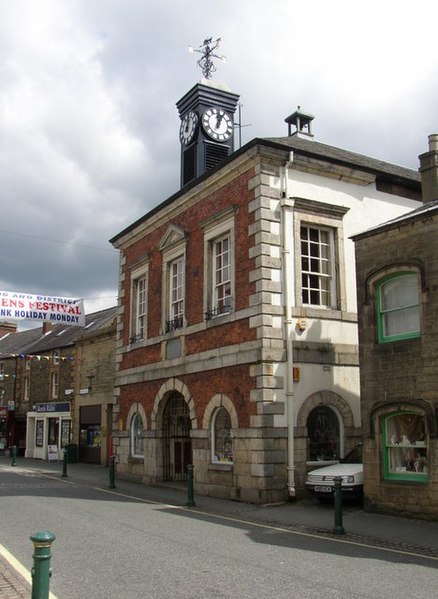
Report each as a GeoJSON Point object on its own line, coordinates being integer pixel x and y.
{"type": "Point", "coordinates": [173, 236]}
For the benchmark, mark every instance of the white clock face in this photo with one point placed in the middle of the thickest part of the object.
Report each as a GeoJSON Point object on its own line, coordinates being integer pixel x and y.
{"type": "Point", "coordinates": [217, 124]}
{"type": "Point", "coordinates": [188, 127]}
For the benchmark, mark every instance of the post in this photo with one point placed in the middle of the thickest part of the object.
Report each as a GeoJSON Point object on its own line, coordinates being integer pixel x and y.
{"type": "Point", "coordinates": [338, 528]}
{"type": "Point", "coordinates": [64, 463]}
{"type": "Point", "coordinates": [14, 455]}
{"type": "Point", "coordinates": [190, 499]}
{"type": "Point", "coordinates": [112, 472]}
{"type": "Point", "coordinates": [41, 571]}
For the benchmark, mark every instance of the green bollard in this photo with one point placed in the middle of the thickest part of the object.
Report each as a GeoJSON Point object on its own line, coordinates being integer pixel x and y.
{"type": "Point", "coordinates": [41, 571]}
{"type": "Point", "coordinates": [64, 464]}
{"type": "Point", "coordinates": [190, 499]}
{"type": "Point", "coordinates": [14, 455]}
{"type": "Point", "coordinates": [338, 528]}
{"type": "Point", "coordinates": [112, 472]}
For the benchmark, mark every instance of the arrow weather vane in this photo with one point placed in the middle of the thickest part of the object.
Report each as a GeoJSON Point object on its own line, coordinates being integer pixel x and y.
{"type": "Point", "coordinates": [207, 49]}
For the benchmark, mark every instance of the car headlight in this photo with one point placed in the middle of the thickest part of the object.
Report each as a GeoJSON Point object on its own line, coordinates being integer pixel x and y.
{"type": "Point", "coordinates": [348, 479]}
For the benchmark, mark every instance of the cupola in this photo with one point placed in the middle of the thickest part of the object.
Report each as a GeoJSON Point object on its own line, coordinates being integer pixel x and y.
{"type": "Point", "coordinates": [302, 122]}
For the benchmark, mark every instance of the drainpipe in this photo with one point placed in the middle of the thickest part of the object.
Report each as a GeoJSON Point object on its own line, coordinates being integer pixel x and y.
{"type": "Point", "coordinates": [288, 265]}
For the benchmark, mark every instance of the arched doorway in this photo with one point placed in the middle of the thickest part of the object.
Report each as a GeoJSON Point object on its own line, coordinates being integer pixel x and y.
{"type": "Point", "coordinates": [177, 444]}
{"type": "Point", "coordinates": [323, 432]}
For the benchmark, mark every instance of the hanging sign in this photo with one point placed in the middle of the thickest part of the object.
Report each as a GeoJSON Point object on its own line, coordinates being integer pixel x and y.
{"type": "Point", "coordinates": [45, 308]}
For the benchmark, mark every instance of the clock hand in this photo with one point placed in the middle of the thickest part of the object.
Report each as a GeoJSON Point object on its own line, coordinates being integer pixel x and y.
{"type": "Point", "coordinates": [218, 121]}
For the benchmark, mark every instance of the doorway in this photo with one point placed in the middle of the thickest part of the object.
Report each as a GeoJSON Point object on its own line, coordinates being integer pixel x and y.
{"type": "Point", "coordinates": [177, 444]}
{"type": "Point", "coordinates": [324, 438]}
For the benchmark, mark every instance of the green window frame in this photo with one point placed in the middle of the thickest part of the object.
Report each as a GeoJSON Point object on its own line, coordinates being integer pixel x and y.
{"type": "Point", "coordinates": [405, 447]}
{"type": "Point", "coordinates": [398, 307]}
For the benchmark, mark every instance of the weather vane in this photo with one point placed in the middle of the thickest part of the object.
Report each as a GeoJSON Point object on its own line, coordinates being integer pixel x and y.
{"type": "Point", "coordinates": [207, 49]}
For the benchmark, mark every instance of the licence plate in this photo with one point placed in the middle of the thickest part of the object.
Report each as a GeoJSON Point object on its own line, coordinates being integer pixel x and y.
{"type": "Point", "coordinates": [319, 489]}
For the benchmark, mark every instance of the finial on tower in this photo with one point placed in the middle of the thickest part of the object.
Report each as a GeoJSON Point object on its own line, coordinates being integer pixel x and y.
{"type": "Point", "coordinates": [207, 49]}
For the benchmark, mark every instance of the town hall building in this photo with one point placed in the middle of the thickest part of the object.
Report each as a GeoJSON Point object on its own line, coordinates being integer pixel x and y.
{"type": "Point", "coordinates": [237, 348]}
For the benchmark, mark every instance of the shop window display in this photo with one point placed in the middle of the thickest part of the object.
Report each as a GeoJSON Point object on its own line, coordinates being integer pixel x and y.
{"type": "Point", "coordinates": [405, 446]}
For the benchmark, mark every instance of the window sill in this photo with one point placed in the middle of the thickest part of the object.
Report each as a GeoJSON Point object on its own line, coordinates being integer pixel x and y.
{"type": "Point", "coordinates": [402, 338]}
{"type": "Point", "coordinates": [306, 311]}
{"type": "Point", "coordinates": [135, 460]}
{"type": "Point", "coordinates": [221, 466]}
{"type": "Point", "coordinates": [219, 319]}
{"type": "Point", "coordinates": [404, 480]}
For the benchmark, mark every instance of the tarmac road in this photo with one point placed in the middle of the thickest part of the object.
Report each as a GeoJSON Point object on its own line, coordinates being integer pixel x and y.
{"type": "Point", "coordinates": [143, 542]}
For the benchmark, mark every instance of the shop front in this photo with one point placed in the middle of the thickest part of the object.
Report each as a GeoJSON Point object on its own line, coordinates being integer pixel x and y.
{"type": "Point", "coordinates": [48, 431]}
{"type": "Point", "coordinates": [90, 439]}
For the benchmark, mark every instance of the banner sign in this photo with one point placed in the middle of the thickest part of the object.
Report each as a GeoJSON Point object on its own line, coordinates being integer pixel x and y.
{"type": "Point", "coordinates": [45, 308]}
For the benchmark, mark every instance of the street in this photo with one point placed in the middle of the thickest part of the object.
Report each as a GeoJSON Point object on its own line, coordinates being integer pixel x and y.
{"type": "Point", "coordinates": [111, 545]}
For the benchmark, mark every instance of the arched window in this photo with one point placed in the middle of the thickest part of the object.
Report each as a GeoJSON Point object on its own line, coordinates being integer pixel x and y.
{"type": "Point", "coordinates": [137, 440]}
{"type": "Point", "coordinates": [323, 432]}
{"type": "Point", "coordinates": [398, 307]}
{"type": "Point", "coordinates": [222, 444]}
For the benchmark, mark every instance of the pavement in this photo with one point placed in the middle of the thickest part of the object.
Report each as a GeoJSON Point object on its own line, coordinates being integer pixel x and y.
{"type": "Point", "coordinates": [306, 516]}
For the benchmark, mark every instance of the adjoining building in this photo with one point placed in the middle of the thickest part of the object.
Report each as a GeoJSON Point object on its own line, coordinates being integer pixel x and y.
{"type": "Point", "coordinates": [237, 346]}
{"type": "Point", "coordinates": [14, 384]}
{"type": "Point", "coordinates": [56, 389]}
{"type": "Point", "coordinates": [397, 279]}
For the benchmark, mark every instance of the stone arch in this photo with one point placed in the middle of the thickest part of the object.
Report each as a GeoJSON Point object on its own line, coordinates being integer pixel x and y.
{"type": "Point", "coordinates": [170, 386]}
{"type": "Point", "coordinates": [135, 408]}
{"type": "Point", "coordinates": [220, 401]}
{"type": "Point", "coordinates": [330, 399]}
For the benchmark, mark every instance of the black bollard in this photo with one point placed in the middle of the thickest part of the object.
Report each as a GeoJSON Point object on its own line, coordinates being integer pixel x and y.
{"type": "Point", "coordinates": [64, 464]}
{"type": "Point", "coordinates": [112, 472]}
{"type": "Point", "coordinates": [338, 528]}
{"type": "Point", "coordinates": [190, 498]}
{"type": "Point", "coordinates": [14, 455]}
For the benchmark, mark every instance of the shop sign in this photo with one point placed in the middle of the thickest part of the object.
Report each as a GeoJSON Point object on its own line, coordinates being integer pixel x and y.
{"type": "Point", "coordinates": [47, 408]}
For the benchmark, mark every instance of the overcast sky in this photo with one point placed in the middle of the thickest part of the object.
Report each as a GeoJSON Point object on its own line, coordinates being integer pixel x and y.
{"type": "Point", "coordinates": [89, 128]}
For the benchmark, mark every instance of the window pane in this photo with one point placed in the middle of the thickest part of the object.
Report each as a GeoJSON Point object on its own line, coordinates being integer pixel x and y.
{"type": "Point", "coordinates": [222, 276]}
{"type": "Point", "coordinates": [223, 447]}
{"type": "Point", "coordinates": [400, 291]}
{"type": "Point", "coordinates": [399, 306]}
{"type": "Point", "coordinates": [176, 291]}
{"type": "Point", "coordinates": [316, 266]}
{"type": "Point", "coordinates": [137, 435]}
{"type": "Point", "coordinates": [406, 446]}
{"type": "Point", "coordinates": [140, 307]}
{"type": "Point", "coordinates": [402, 321]}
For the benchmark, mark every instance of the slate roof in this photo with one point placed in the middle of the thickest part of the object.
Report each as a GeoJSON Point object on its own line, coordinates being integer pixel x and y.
{"type": "Point", "coordinates": [428, 209]}
{"type": "Point", "coordinates": [18, 342]}
{"type": "Point", "coordinates": [340, 156]}
{"type": "Point", "coordinates": [304, 147]}
{"type": "Point", "coordinates": [34, 341]}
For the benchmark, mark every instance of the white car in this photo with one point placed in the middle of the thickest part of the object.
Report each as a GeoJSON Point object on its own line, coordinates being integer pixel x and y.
{"type": "Point", "coordinates": [320, 482]}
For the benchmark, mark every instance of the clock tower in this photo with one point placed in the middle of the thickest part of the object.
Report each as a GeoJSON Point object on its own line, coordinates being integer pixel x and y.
{"type": "Point", "coordinates": [207, 122]}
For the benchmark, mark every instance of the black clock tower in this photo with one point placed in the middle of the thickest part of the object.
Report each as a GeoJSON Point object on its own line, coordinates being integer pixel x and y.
{"type": "Point", "coordinates": [207, 122]}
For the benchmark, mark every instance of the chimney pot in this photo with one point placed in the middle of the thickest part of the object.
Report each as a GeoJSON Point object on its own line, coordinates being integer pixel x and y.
{"type": "Point", "coordinates": [433, 142]}
{"type": "Point", "coordinates": [429, 170]}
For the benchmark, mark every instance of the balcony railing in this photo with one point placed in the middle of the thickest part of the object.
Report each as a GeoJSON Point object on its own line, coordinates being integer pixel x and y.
{"type": "Point", "coordinates": [218, 311]}
{"type": "Point", "coordinates": [174, 324]}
